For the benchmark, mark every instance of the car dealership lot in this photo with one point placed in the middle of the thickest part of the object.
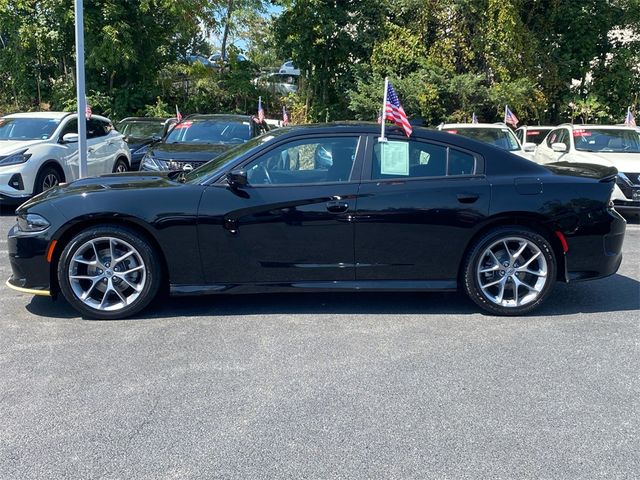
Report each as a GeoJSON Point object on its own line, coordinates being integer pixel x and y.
{"type": "Point", "coordinates": [324, 386]}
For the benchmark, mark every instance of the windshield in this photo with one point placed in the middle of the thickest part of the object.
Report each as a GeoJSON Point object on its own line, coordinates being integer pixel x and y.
{"type": "Point", "coordinates": [501, 137]}
{"type": "Point", "coordinates": [219, 163]}
{"type": "Point", "coordinates": [210, 131]}
{"type": "Point", "coordinates": [27, 128]}
{"type": "Point", "coordinates": [139, 129]}
{"type": "Point", "coordinates": [607, 140]}
{"type": "Point", "coordinates": [536, 135]}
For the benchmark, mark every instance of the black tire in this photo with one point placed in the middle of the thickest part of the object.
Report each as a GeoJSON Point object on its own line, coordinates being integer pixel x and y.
{"type": "Point", "coordinates": [144, 251]}
{"type": "Point", "coordinates": [121, 166]}
{"type": "Point", "coordinates": [471, 275]}
{"type": "Point", "coordinates": [47, 177]}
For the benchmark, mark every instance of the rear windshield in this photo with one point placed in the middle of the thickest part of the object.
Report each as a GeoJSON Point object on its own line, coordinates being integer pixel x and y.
{"type": "Point", "coordinates": [536, 135]}
{"type": "Point", "coordinates": [210, 131]}
{"type": "Point", "coordinates": [138, 129]}
{"type": "Point", "coordinates": [27, 128]}
{"type": "Point", "coordinates": [501, 137]}
{"type": "Point", "coordinates": [606, 140]}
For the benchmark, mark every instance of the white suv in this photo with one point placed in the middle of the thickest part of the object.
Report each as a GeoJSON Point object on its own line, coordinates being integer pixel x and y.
{"type": "Point", "coordinates": [613, 146]}
{"type": "Point", "coordinates": [39, 150]}
{"type": "Point", "coordinates": [496, 134]}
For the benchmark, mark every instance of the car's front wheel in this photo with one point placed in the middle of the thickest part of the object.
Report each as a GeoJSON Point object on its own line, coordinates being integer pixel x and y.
{"type": "Point", "coordinates": [47, 178]}
{"type": "Point", "coordinates": [509, 271]}
{"type": "Point", "coordinates": [120, 166]}
{"type": "Point", "coordinates": [108, 272]}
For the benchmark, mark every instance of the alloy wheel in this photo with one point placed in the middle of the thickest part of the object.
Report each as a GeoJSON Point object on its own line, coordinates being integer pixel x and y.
{"type": "Point", "coordinates": [107, 273]}
{"type": "Point", "coordinates": [50, 180]}
{"type": "Point", "coordinates": [512, 272]}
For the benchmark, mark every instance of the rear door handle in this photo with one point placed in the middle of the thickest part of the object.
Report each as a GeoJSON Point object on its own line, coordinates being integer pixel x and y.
{"type": "Point", "coordinates": [467, 197]}
{"type": "Point", "coordinates": [337, 206]}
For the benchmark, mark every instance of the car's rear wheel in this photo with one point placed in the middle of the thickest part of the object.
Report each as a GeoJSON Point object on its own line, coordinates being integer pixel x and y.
{"type": "Point", "coordinates": [108, 272]}
{"type": "Point", "coordinates": [120, 166]}
{"type": "Point", "coordinates": [509, 271]}
{"type": "Point", "coordinates": [47, 178]}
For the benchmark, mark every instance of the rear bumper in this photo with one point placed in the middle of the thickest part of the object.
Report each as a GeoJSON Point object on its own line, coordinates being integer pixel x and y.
{"type": "Point", "coordinates": [595, 250]}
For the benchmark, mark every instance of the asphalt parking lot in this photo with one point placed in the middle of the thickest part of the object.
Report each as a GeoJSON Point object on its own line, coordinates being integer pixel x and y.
{"type": "Point", "coordinates": [324, 386]}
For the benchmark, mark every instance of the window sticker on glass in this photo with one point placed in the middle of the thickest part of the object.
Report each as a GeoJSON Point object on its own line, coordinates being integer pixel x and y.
{"type": "Point", "coordinates": [395, 158]}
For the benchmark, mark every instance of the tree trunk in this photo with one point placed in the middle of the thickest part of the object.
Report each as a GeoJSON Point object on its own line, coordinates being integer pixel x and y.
{"type": "Point", "coordinates": [225, 34]}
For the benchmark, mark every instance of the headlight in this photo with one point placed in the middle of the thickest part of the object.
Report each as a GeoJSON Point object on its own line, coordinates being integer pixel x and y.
{"type": "Point", "coordinates": [625, 179]}
{"type": "Point", "coordinates": [151, 163]}
{"type": "Point", "coordinates": [15, 158]}
{"type": "Point", "coordinates": [32, 222]}
{"type": "Point", "coordinates": [141, 150]}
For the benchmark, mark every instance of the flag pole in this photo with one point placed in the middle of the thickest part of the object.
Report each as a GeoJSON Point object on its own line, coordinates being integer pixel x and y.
{"type": "Point", "coordinates": [384, 112]}
{"type": "Point", "coordinates": [80, 91]}
{"type": "Point", "coordinates": [506, 107]}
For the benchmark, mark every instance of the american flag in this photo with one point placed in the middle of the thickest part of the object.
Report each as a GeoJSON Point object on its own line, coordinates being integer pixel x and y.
{"type": "Point", "coordinates": [395, 112]}
{"type": "Point", "coordinates": [87, 110]}
{"type": "Point", "coordinates": [285, 116]}
{"type": "Point", "coordinates": [509, 117]}
{"type": "Point", "coordinates": [630, 120]}
{"type": "Point", "coordinates": [178, 114]}
{"type": "Point", "coordinates": [474, 119]}
{"type": "Point", "coordinates": [260, 111]}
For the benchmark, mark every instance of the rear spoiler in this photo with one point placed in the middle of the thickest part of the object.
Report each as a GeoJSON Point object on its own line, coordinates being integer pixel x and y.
{"type": "Point", "coordinates": [597, 172]}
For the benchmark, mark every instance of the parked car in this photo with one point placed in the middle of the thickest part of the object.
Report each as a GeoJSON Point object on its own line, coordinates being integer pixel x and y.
{"type": "Point", "coordinates": [200, 138]}
{"type": "Point", "coordinates": [532, 134]}
{"type": "Point", "coordinates": [608, 145]}
{"type": "Point", "coordinates": [217, 57]}
{"type": "Point", "coordinates": [39, 150]}
{"type": "Point", "coordinates": [278, 83]}
{"type": "Point", "coordinates": [289, 69]}
{"type": "Point", "coordinates": [433, 212]}
{"type": "Point", "coordinates": [496, 134]}
{"type": "Point", "coordinates": [141, 132]}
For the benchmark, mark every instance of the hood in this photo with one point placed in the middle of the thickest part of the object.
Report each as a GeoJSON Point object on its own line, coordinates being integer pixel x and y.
{"type": "Point", "coordinates": [8, 147]}
{"type": "Point", "coordinates": [116, 181]}
{"type": "Point", "coordinates": [624, 162]}
{"type": "Point", "coordinates": [189, 152]}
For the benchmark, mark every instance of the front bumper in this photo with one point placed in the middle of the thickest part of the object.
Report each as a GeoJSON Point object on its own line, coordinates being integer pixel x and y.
{"type": "Point", "coordinates": [29, 266]}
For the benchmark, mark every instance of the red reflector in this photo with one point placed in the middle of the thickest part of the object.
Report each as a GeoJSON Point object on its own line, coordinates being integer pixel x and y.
{"type": "Point", "coordinates": [563, 241]}
{"type": "Point", "coordinates": [451, 131]}
{"type": "Point", "coordinates": [531, 132]}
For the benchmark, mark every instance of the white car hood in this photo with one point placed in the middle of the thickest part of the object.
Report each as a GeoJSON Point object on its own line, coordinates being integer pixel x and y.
{"type": "Point", "coordinates": [8, 147]}
{"type": "Point", "coordinates": [624, 162]}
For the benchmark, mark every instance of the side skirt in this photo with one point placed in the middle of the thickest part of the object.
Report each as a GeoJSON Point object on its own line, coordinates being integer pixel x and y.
{"type": "Point", "coordinates": [355, 286]}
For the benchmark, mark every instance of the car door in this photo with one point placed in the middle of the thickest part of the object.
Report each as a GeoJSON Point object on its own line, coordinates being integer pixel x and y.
{"type": "Point", "coordinates": [98, 154]}
{"type": "Point", "coordinates": [419, 203]}
{"type": "Point", "coordinates": [292, 223]}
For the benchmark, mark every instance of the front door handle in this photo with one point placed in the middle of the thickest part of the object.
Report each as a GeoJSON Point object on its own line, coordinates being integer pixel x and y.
{"type": "Point", "coordinates": [337, 206]}
{"type": "Point", "coordinates": [467, 197]}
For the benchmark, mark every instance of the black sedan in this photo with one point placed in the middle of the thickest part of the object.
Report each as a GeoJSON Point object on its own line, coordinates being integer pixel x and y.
{"type": "Point", "coordinates": [200, 138]}
{"type": "Point", "coordinates": [325, 208]}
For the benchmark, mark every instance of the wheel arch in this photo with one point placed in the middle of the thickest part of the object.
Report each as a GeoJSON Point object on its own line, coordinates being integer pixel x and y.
{"type": "Point", "coordinates": [64, 237]}
{"type": "Point", "coordinates": [50, 163]}
{"type": "Point", "coordinates": [533, 221]}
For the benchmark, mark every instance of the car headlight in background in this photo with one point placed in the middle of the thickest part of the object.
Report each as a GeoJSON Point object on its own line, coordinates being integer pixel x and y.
{"type": "Point", "coordinates": [15, 158]}
{"type": "Point", "coordinates": [32, 222]}
{"type": "Point", "coordinates": [151, 163]}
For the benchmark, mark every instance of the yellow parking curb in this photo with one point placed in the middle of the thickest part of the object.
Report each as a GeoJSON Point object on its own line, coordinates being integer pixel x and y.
{"type": "Point", "coordinates": [32, 291]}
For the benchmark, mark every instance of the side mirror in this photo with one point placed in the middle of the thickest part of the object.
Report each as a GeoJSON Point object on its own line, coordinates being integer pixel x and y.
{"type": "Point", "coordinates": [529, 147]}
{"type": "Point", "coordinates": [559, 147]}
{"type": "Point", "coordinates": [237, 178]}
{"type": "Point", "coordinates": [70, 138]}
